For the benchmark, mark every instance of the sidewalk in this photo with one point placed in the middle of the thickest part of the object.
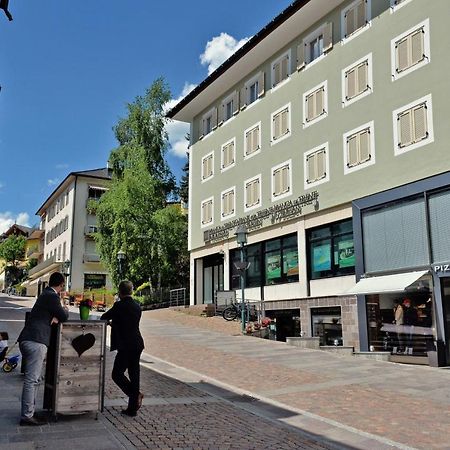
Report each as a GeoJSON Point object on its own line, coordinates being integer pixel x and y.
{"type": "Point", "coordinates": [392, 404]}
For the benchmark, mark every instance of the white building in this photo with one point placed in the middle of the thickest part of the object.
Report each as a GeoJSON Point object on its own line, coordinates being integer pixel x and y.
{"type": "Point", "coordinates": [68, 219]}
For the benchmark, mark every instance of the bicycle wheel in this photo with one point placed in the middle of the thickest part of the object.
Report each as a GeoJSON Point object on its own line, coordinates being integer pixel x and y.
{"type": "Point", "coordinates": [7, 367]}
{"type": "Point", "coordinates": [229, 313]}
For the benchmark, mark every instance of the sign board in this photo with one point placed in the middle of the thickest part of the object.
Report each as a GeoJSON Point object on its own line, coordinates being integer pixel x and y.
{"type": "Point", "coordinates": [224, 298]}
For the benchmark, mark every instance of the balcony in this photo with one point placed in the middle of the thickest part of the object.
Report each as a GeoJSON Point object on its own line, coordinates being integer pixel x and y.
{"type": "Point", "coordinates": [89, 230]}
{"type": "Point", "coordinates": [91, 258]}
{"type": "Point", "coordinates": [34, 253]}
{"type": "Point", "coordinates": [43, 267]}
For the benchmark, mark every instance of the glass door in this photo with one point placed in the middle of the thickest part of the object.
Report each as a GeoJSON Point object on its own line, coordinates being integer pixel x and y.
{"type": "Point", "coordinates": [445, 289]}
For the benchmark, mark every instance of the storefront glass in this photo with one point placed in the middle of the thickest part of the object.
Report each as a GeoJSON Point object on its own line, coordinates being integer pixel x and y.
{"type": "Point", "coordinates": [402, 323]}
{"type": "Point", "coordinates": [327, 325]}
{"type": "Point", "coordinates": [94, 281]}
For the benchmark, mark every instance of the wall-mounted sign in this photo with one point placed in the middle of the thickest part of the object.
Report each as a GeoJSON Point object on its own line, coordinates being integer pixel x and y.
{"type": "Point", "coordinates": [275, 214]}
{"type": "Point", "coordinates": [441, 268]}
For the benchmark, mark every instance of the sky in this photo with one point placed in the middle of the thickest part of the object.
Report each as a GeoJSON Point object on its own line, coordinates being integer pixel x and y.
{"type": "Point", "coordinates": [68, 68]}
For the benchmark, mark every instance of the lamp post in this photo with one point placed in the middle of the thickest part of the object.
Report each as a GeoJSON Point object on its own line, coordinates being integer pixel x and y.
{"type": "Point", "coordinates": [66, 265]}
{"type": "Point", "coordinates": [120, 259]}
{"type": "Point", "coordinates": [242, 266]}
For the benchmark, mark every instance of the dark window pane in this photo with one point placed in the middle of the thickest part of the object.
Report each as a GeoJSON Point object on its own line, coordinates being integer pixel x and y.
{"type": "Point", "coordinates": [321, 233]}
{"type": "Point", "coordinates": [273, 245]}
{"type": "Point", "coordinates": [290, 241]}
{"type": "Point", "coordinates": [290, 264]}
{"type": "Point", "coordinates": [273, 267]}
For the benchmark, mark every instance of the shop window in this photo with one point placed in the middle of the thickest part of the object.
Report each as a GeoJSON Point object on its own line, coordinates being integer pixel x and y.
{"type": "Point", "coordinates": [94, 281]}
{"type": "Point", "coordinates": [327, 325]}
{"type": "Point", "coordinates": [331, 251]}
{"type": "Point", "coordinates": [253, 275]}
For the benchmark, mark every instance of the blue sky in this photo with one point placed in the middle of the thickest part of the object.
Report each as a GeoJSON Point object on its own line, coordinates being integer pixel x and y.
{"type": "Point", "coordinates": [67, 69]}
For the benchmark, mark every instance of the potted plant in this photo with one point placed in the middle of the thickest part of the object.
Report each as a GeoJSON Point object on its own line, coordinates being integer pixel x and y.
{"type": "Point", "coordinates": [85, 308]}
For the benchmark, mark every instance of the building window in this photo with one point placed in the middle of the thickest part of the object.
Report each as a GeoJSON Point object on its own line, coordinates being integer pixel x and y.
{"type": "Point", "coordinates": [208, 166]}
{"type": "Point", "coordinates": [330, 250]}
{"type": "Point", "coordinates": [280, 69]}
{"type": "Point", "coordinates": [229, 107]}
{"type": "Point", "coordinates": [315, 104]}
{"type": "Point", "coordinates": [94, 193]}
{"type": "Point", "coordinates": [252, 90]}
{"type": "Point", "coordinates": [228, 198]}
{"type": "Point", "coordinates": [281, 180]}
{"type": "Point", "coordinates": [208, 123]}
{"type": "Point", "coordinates": [395, 4]}
{"type": "Point", "coordinates": [316, 166]}
{"type": "Point", "coordinates": [252, 193]}
{"type": "Point", "coordinates": [413, 125]}
{"type": "Point", "coordinates": [228, 155]}
{"type": "Point", "coordinates": [410, 50]}
{"type": "Point", "coordinates": [355, 17]}
{"type": "Point", "coordinates": [357, 80]}
{"type": "Point", "coordinates": [327, 325]}
{"type": "Point", "coordinates": [94, 281]}
{"type": "Point", "coordinates": [315, 45]}
{"type": "Point", "coordinates": [252, 140]}
{"type": "Point", "coordinates": [281, 124]}
{"type": "Point", "coordinates": [207, 217]}
{"type": "Point", "coordinates": [359, 148]}
{"type": "Point", "coordinates": [271, 262]}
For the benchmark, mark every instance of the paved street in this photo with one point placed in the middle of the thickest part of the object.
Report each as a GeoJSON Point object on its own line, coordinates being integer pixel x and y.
{"type": "Point", "coordinates": [188, 414]}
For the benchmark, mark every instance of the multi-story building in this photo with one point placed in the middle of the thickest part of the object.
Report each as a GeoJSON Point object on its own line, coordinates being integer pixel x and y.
{"type": "Point", "coordinates": [326, 136]}
{"type": "Point", "coordinates": [68, 221]}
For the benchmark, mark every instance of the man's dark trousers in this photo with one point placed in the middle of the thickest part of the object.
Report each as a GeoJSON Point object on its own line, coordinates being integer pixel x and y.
{"type": "Point", "coordinates": [126, 360]}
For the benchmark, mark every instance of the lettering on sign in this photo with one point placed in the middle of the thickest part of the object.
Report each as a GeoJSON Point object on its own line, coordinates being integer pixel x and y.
{"type": "Point", "coordinates": [275, 214]}
{"type": "Point", "coordinates": [441, 268]}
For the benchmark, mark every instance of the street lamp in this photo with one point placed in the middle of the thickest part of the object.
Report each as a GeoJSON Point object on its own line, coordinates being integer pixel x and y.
{"type": "Point", "coordinates": [120, 259]}
{"type": "Point", "coordinates": [66, 266]}
{"type": "Point", "coordinates": [242, 266]}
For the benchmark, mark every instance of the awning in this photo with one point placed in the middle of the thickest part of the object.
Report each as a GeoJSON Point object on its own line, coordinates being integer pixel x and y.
{"type": "Point", "coordinates": [385, 284]}
{"type": "Point", "coordinates": [99, 188]}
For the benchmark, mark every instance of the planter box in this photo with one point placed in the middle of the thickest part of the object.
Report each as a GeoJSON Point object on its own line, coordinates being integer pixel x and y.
{"type": "Point", "coordinates": [304, 342]}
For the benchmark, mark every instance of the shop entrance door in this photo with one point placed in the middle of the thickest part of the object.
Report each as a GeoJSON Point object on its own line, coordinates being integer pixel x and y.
{"type": "Point", "coordinates": [212, 277]}
{"type": "Point", "coordinates": [445, 289]}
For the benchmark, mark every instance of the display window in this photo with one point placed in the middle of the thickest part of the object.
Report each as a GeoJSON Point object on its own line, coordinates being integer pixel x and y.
{"type": "Point", "coordinates": [402, 323]}
{"type": "Point", "coordinates": [327, 325]}
{"type": "Point", "coordinates": [331, 250]}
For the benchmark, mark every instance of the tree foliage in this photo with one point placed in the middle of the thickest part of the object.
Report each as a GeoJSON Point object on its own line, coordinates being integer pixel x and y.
{"type": "Point", "coordinates": [184, 183]}
{"type": "Point", "coordinates": [132, 215]}
{"type": "Point", "coordinates": [12, 249]}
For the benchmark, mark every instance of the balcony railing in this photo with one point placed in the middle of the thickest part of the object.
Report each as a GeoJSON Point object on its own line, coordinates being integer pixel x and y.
{"type": "Point", "coordinates": [43, 265]}
{"type": "Point", "coordinates": [91, 257]}
{"type": "Point", "coordinates": [90, 229]}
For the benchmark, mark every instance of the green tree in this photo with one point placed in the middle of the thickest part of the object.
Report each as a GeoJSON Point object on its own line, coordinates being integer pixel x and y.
{"type": "Point", "coordinates": [132, 215]}
{"type": "Point", "coordinates": [12, 249]}
{"type": "Point", "coordinates": [184, 183]}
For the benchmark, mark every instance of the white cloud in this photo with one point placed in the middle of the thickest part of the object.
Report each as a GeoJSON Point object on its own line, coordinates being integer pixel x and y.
{"type": "Point", "coordinates": [219, 49]}
{"type": "Point", "coordinates": [7, 219]}
{"type": "Point", "coordinates": [53, 181]}
{"type": "Point", "coordinates": [177, 131]}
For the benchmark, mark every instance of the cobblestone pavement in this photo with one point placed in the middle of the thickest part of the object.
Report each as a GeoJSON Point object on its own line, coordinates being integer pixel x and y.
{"type": "Point", "coordinates": [405, 404]}
{"type": "Point", "coordinates": [178, 416]}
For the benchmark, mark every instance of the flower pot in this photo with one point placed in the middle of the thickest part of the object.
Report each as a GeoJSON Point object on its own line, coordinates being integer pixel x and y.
{"type": "Point", "coordinates": [84, 312]}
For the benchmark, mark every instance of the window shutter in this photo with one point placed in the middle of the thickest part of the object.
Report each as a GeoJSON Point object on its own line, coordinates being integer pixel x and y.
{"type": "Point", "coordinates": [214, 119]}
{"type": "Point", "coordinates": [364, 146]}
{"type": "Point", "coordinates": [231, 150]}
{"type": "Point", "coordinates": [276, 73]}
{"type": "Point", "coordinates": [321, 169]}
{"type": "Point", "coordinates": [204, 168]}
{"type": "Point", "coordinates": [360, 15]}
{"type": "Point", "coordinates": [203, 213]}
{"type": "Point", "coordinates": [417, 50]}
{"type": "Point", "coordinates": [349, 22]}
{"type": "Point", "coordinates": [300, 56]}
{"type": "Point", "coordinates": [284, 68]}
{"type": "Point", "coordinates": [220, 114]}
{"type": "Point", "coordinates": [311, 168]}
{"type": "Point", "coordinates": [255, 189]}
{"type": "Point", "coordinates": [402, 55]}
{"type": "Point", "coordinates": [243, 98]}
{"type": "Point", "coordinates": [420, 123]}
{"type": "Point", "coordinates": [231, 202]}
{"type": "Point", "coordinates": [285, 179]}
{"type": "Point", "coordinates": [405, 128]}
{"type": "Point", "coordinates": [277, 182]}
{"type": "Point", "coordinates": [351, 83]}
{"type": "Point", "coordinates": [235, 102]}
{"type": "Point", "coordinates": [256, 143]}
{"type": "Point", "coordinates": [209, 211]}
{"type": "Point", "coordinates": [310, 107]}
{"type": "Point", "coordinates": [328, 37]}
{"type": "Point", "coordinates": [284, 122]}
{"type": "Point", "coordinates": [320, 94]}
{"type": "Point", "coordinates": [248, 142]}
{"type": "Point", "coordinates": [352, 151]}
{"type": "Point", "coordinates": [261, 87]}
{"type": "Point", "coordinates": [248, 195]}
{"type": "Point", "coordinates": [363, 81]}
{"type": "Point", "coordinates": [276, 126]}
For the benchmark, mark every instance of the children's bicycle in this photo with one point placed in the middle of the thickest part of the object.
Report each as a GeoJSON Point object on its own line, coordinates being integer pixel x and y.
{"type": "Point", "coordinates": [10, 362]}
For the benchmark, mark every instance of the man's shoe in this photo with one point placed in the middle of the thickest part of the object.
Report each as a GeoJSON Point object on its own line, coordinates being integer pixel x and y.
{"type": "Point", "coordinates": [31, 421]}
{"type": "Point", "coordinates": [128, 412]}
{"type": "Point", "coordinates": [139, 400]}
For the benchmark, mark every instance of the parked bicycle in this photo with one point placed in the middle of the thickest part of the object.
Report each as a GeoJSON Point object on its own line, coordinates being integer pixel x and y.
{"type": "Point", "coordinates": [234, 311]}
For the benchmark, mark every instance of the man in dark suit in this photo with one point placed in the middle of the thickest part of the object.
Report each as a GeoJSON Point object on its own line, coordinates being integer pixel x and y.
{"type": "Point", "coordinates": [127, 340]}
{"type": "Point", "coordinates": [34, 340]}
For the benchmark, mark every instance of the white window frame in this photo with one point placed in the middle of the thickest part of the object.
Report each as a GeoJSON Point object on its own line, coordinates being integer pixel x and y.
{"type": "Point", "coordinates": [258, 124]}
{"type": "Point", "coordinates": [307, 185]}
{"type": "Point", "coordinates": [365, 93]}
{"type": "Point", "coordinates": [211, 176]}
{"type": "Point", "coordinates": [345, 39]}
{"type": "Point", "coordinates": [256, 205]}
{"type": "Point", "coordinates": [289, 70]}
{"type": "Point", "coordinates": [426, 47]}
{"type": "Point", "coordinates": [288, 134]}
{"type": "Point", "coordinates": [205, 225]}
{"type": "Point", "coordinates": [233, 214]}
{"type": "Point", "coordinates": [371, 161]}
{"type": "Point", "coordinates": [426, 99]}
{"type": "Point", "coordinates": [324, 84]}
{"type": "Point", "coordinates": [272, 170]}
{"type": "Point", "coordinates": [248, 84]}
{"type": "Point", "coordinates": [395, 6]}
{"type": "Point", "coordinates": [307, 43]}
{"type": "Point", "coordinates": [222, 168]}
